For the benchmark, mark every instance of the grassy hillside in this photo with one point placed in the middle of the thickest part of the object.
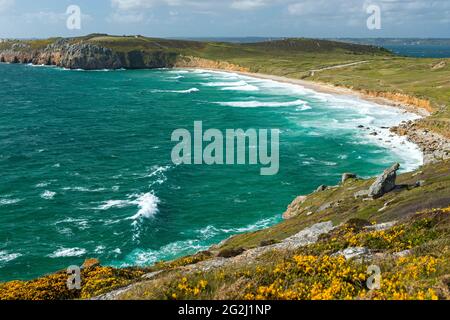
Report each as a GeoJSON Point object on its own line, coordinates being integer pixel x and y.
{"type": "Point", "coordinates": [412, 252]}
{"type": "Point", "coordinates": [312, 272]}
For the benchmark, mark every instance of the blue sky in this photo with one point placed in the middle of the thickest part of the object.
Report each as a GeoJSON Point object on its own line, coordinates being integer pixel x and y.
{"type": "Point", "coordinates": [206, 18]}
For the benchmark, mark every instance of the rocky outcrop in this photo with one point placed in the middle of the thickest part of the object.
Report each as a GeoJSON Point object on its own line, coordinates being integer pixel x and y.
{"type": "Point", "coordinates": [294, 207]}
{"type": "Point", "coordinates": [64, 53]}
{"type": "Point", "coordinates": [434, 146]}
{"type": "Point", "coordinates": [87, 56]}
{"type": "Point", "coordinates": [348, 176]}
{"type": "Point", "coordinates": [384, 183]}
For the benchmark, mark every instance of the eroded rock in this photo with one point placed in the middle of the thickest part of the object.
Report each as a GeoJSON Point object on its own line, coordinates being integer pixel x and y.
{"type": "Point", "coordinates": [385, 183]}
{"type": "Point", "coordinates": [294, 208]}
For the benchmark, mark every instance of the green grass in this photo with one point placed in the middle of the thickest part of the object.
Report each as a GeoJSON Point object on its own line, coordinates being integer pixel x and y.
{"type": "Point", "coordinates": [435, 193]}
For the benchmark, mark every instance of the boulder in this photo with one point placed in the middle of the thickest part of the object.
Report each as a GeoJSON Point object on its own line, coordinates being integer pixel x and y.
{"type": "Point", "coordinates": [321, 188]}
{"type": "Point", "coordinates": [348, 176]}
{"type": "Point", "coordinates": [353, 253]}
{"type": "Point", "coordinates": [385, 183]}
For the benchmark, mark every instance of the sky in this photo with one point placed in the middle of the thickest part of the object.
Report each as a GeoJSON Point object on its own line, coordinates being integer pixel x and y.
{"type": "Point", "coordinates": [227, 18]}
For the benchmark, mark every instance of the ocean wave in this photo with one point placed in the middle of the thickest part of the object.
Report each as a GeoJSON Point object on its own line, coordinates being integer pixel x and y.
{"type": "Point", "coordinates": [259, 104]}
{"type": "Point", "coordinates": [247, 87]}
{"type": "Point", "coordinates": [212, 231]}
{"type": "Point", "coordinates": [178, 71]}
{"type": "Point", "coordinates": [48, 195]}
{"type": "Point", "coordinates": [43, 184]}
{"type": "Point", "coordinates": [226, 84]}
{"type": "Point", "coordinates": [304, 108]}
{"type": "Point", "coordinates": [67, 252]}
{"type": "Point", "coordinates": [7, 202]}
{"type": "Point", "coordinates": [158, 174]}
{"type": "Point", "coordinates": [83, 189]}
{"type": "Point", "coordinates": [80, 223]}
{"type": "Point", "coordinates": [147, 204]}
{"type": "Point", "coordinates": [142, 257]}
{"type": "Point", "coordinates": [175, 249]}
{"type": "Point", "coordinates": [191, 90]}
{"type": "Point", "coordinates": [6, 257]}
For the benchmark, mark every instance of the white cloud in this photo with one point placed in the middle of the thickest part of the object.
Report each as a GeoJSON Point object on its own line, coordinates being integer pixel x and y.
{"type": "Point", "coordinates": [132, 4]}
{"type": "Point", "coordinates": [5, 5]}
{"type": "Point", "coordinates": [248, 4]}
{"type": "Point", "coordinates": [130, 17]}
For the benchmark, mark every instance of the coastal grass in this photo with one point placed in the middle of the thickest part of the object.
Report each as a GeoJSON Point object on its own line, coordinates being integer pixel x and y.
{"type": "Point", "coordinates": [311, 272]}
{"type": "Point", "coordinates": [314, 273]}
{"type": "Point", "coordinates": [424, 274]}
{"type": "Point", "coordinates": [402, 202]}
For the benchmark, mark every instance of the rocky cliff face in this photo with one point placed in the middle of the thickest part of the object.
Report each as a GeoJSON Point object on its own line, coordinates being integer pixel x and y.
{"type": "Point", "coordinates": [87, 56]}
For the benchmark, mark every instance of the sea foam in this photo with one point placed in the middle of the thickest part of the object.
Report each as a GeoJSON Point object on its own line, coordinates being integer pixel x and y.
{"type": "Point", "coordinates": [259, 104]}
{"type": "Point", "coordinates": [67, 252]}
{"type": "Point", "coordinates": [191, 90]}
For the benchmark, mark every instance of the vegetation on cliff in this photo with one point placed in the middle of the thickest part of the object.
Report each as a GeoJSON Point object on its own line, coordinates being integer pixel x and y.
{"type": "Point", "coordinates": [405, 233]}
{"type": "Point", "coordinates": [413, 252]}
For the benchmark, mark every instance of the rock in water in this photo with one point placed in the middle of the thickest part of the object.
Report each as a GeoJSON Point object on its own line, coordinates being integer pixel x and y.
{"type": "Point", "coordinates": [384, 183]}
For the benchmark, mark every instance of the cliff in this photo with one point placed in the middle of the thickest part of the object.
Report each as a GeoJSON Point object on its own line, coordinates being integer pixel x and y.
{"type": "Point", "coordinates": [85, 55]}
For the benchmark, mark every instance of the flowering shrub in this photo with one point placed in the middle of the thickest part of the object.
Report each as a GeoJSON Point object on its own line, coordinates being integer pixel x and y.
{"type": "Point", "coordinates": [95, 281]}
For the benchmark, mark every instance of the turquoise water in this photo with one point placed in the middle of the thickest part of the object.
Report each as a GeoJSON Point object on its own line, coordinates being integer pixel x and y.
{"type": "Point", "coordinates": [421, 51]}
{"type": "Point", "coordinates": [85, 166]}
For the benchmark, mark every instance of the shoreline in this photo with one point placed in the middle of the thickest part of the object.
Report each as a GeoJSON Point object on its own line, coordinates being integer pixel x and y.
{"type": "Point", "coordinates": [319, 87]}
{"type": "Point", "coordinates": [434, 147]}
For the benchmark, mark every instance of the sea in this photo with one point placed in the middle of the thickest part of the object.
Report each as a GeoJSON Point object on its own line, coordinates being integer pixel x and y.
{"type": "Point", "coordinates": [86, 168]}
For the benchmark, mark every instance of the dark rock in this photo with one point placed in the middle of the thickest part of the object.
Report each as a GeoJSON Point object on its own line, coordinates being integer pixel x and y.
{"type": "Point", "coordinates": [357, 224]}
{"type": "Point", "coordinates": [321, 188]}
{"type": "Point", "coordinates": [266, 243]}
{"type": "Point", "coordinates": [348, 176]}
{"type": "Point", "coordinates": [420, 183]}
{"type": "Point", "coordinates": [385, 183]}
{"type": "Point", "coordinates": [230, 253]}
